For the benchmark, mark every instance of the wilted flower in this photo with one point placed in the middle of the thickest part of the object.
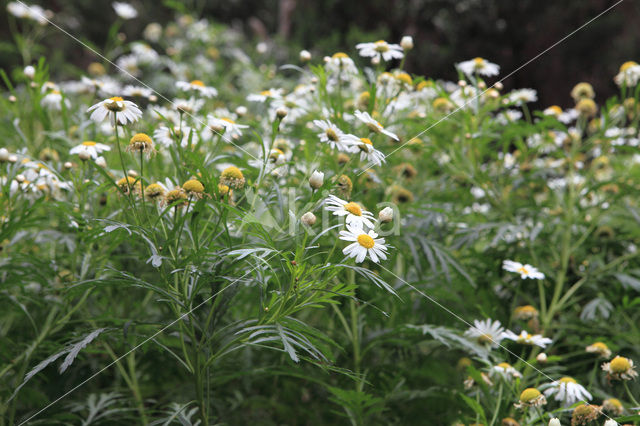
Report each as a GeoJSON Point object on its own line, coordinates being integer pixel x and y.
{"type": "Point", "coordinates": [530, 397]}
{"type": "Point", "coordinates": [233, 177]}
{"type": "Point", "coordinates": [620, 368]}
{"type": "Point", "coordinates": [599, 348]}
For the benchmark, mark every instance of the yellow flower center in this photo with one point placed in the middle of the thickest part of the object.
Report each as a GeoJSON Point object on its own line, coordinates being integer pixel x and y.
{"type": "Point", "coordinates": [479, 62]}
{"type": "Point", "coordinates": [89, 143]}
{"type": "Point", "coordinates": [627, 65]}
{"type": "Point", "coordinates": [331, 134]}
{"type": "Point", "coordinates": [504, 365]}
{"type": "Point", "coordinates": [366, 141]}
{"type": "Point", "coordinates": [266, 93]}
{"type": "Point", "coordinates": [353, 208]}
{"type": "Point", "coordinates": [115, 105]}
{"type": "Point", "coordinates": [555, 109]}
{"type": "Point", "coordinates": [228, 120]}
{"type": "Point", "coordinates": [523, 270]}
{"type": "Point", "coordinates": [154, 190]}
{"type": "Point", "coordinates": [405, 78]}
{"type": "Point", "coordinates": [366, 241]}
{"type": "Point", "coordinates": [485, 339]}
{"type": "Point", "coordinates": [232, 172]}
{"type": "Point", "coordinates": [567, 379]}
{"type": "Point", "coordinates": [141, 137]}
{"type": "Point", "coordinates": [381, 46]}
{"type": "Point", "coordinates": [340, 55]}
{"type": "Point", "coordinates": [529, 395]}
{"type": "Point", "coordinates": [620, 364]}
{"type": "Point", "coordinates": [193, 185]}
{"type": "Point", "coordinates": [197, 83]}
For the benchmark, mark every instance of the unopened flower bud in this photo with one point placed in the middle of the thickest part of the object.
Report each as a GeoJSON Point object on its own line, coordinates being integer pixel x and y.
{"type": "Point", "coordinates": [67, 165]}
{"type": "Point", "coordinates": [482, 85]}
{"type": "Point", "coordinates": [4, 155]}
{"type": "Point", "coordinates": [29, 71]}
{"type": "Point", "coordinates": [554, 422]}
{"type": "Point", "coordinates": [84, 155]}
{"type": "Point", "coordinates": [101, 162]}
{"type": "Point", "coordinates": [407, 42]}
{"type": "Point", "coordinates": [153, 98]}
{"type": "Point", "coordinates": [305, 56]}
{"type": "Point", "coordinates": [12, 99]}
{"type": "Point", "coordinates": [132, 173]}
{"type": "Point", "coordinates": [375, 60]}
{"type": "Point", "coordinates": [308, 219]}
{"type": "Point", "coordinates": [541, 358]}
{"type": "Point", "coordinates": [281, 113]}
{"type": "Point", "coordinates": [316, 180]}
{"type": "Point", "coordinates": [498, 86]}
{"type": "Point", "coordinates": [462, 83]}
{"type": "Point", "coordinates": [386, 215]}
{"type": "Point", "coordinates": [20, 178]}
{"type": "Point", "coordinates": [13, 158]}
{"type": "Point", "coordinates": [241, 111]}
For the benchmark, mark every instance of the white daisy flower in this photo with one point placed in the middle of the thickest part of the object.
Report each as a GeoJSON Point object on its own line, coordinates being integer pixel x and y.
{"type": "Point", "coordinates": [381, 50]}
{"type": "Point", "coordinates": [129, 65]}
{"type": "Point", "coordinates": [197, 86]}
{"type": "Point", "coordinates": [35, 12]}
{"type": "Point", "coordinates": [123, 111]}
{"type": "Point", "coordinates": [527, 339]}
{"type": "Point", "coordinates": [620, 368]}
{"type": "Point", "coordinates": [487, 332]}
{"type": "Point", "coordinates": [629, 74]}
{"type": "Point", "coordinates": [167, 137]}
{"type": "Point", "coordinates": [369, 153]}
{"type": "Point", "coordinates": [53, 101]}
{"type": "Point", "coordinates": [480, 66]}
{"type": "Point", "coordinates": [264, 95]}
{"type": "Point", "coordinates": [124, 10]}
{"type": "Point", "coordinates": [364, 243]}
{"type": "Point", "coordinates": [505, 370]}
{"type": "Point", "coordinates": [355, 215]}
{"type": "Point", "coordinates": [90, 148]}
{"type": "Point", "coordinates": [525, 271]}
{"type": "Point", "coordinates": [373, 125]}
{"type": "Point", "coordinates": [231, 128]}
{"type": "Point", "coordinates": [190, 106]}
{"type": "Point", "coordinates": [568, 391]}
{"type": "Point", "coordinates": [340, 63]}
{"type": "Point", "coordinates": [137, 91]}
{"type": "Point", "coordinates": [335, 137]}
{"type": "Point", "coordinates": [522, 96]}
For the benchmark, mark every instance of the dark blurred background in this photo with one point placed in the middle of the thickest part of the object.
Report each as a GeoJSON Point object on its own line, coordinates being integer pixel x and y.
{"type": "Point", "coordinates": [507, 32]}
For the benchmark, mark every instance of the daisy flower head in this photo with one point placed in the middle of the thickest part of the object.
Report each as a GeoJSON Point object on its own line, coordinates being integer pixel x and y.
{"type": "Point", "coordinates": [613, 406]}
{"type": "Point", "coordinates": [123, 111]}
{"type": "Point", "coordinates": [373, 125]}
{"type": "Point", "coordinates": [599, 348]}
{"type": "Point", "coordinates": [522, 96]}
{"type": "Point", "coordinates": [364, 243]}
{"type": "Point", "coordinates": [141, 143]}
{"type": "Point", "coordinates": [231, 128]}
{"type": "Point", "coordinates": [480, 66]}
{"type": "Point", "coordinates": [355, 215]}
{"type": "Point", "coordinates": [265, 95]}
{"type": "Point", "coordinates": [525, 271]}
{"type": "Point", "coordinates": [505, 370]}
{"type": "Point", "coordinates": [193, 188]}
{"type": "Point", "coordinates": [197, 86]}
{"type": "Point", "coordinates": [340, 62]}
{"type": "Point", "coordinates": [154, 191]}
{"type": "Point", "coordinates": [525, 312]}
{"type": "Point", "coordinates": [124, 10]}
{"type": "Point", "coordinates": [53, 101]}
{"type": "Point", "coordinates": [620, 368]}
{"type": "Point", "coordinates": [629, 74]}
{"type": "Point", "coordinates": [380, 50]}
{"type": "Point", "coordinates": [585, 414]}
{"type": "Point", "coordinates": [527, 339]}
{"type": "Point", "coordinates": [531, 397]}
{"type": "Point", "coordinates": [166, 136]}
{"type": "Point", "coordinates": [335, 137]}
{"type": "Point", "coordinates": [568, 391]}
{"type": "Point", "coordinates": [369, 153]}
{"type": "Point", "coordinates": [487, 332]}
{"type": "Point", "coordinates": [232, 177]}
{"type": "Point", "coordinates": [89, 149]}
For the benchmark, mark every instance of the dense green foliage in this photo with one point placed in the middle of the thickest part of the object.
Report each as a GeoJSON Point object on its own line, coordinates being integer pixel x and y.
{"type": "Point", "coordinates": [161, 269]}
